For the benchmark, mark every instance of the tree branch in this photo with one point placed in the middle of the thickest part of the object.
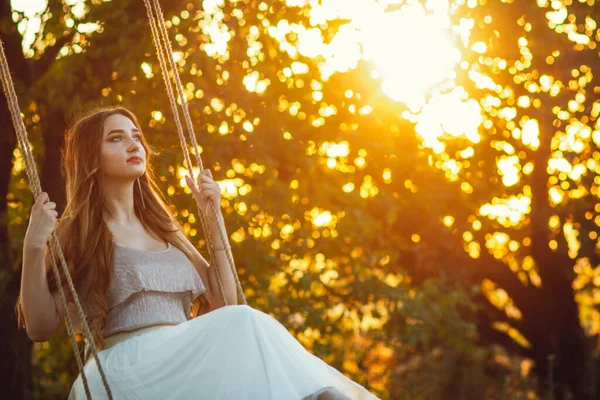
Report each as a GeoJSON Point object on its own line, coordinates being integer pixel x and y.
{"type": "Point", "coordinates": [488, 334]}
{"type": "Point", "coordinates": [41, 65]}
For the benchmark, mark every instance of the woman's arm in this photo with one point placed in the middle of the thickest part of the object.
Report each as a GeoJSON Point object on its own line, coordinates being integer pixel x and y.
{"type": "Point", "coordinates": [221, 261]}
{"type": "Point", "coordinates": [39, 307]}
{"type": "Point", "coordinates": [208, 272]}
{"type": "Point", "coordinates": [207, 191]}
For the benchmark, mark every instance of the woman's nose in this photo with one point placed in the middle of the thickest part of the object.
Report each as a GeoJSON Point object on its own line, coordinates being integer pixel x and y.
{"type": "Point", "coordinates": [133, 145]}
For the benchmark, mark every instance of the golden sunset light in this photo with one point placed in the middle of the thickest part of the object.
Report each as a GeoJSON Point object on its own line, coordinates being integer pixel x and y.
{"type": "Point", "coordinates": [407, 189]}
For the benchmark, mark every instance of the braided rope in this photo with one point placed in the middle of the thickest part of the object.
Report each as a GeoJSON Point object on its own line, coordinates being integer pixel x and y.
{"type": "Point", "coordinates": [160, 46]}
{"type": "Point", "coordinates": [34, 184]}
{"type": "Point", "coordinates": [190, 127]}
{"type": "Point", "coordinates": [164, 71]}
{"type": "Point", "coordinates": [164, 47]}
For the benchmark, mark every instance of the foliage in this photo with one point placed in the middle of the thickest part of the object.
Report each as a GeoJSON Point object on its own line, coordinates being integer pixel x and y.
{"type": "Point", "coordinates": [360, 222]}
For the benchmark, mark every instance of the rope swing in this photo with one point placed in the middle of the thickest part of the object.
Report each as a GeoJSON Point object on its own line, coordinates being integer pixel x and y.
{"type": "Point", "coordinates": [55, 249]}
{"type": "Point", "coordinates": [163, 47]}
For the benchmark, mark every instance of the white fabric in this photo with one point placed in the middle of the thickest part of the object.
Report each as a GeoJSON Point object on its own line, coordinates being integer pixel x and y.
{"type": "Point", "coordinates": [233, 353]}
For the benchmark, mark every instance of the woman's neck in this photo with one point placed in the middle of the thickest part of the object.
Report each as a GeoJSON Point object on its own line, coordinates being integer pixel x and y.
{"type": "Point", "coordinates": [118, 201]}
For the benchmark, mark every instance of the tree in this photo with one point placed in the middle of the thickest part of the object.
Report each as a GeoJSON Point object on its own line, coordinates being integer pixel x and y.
{"type": "Point", "coordinates": [46, 80]}
{"type": "Point", "coordinates": [530, 66]}
{"type": "Point", "coordinates": [340, 211]}
{"type": "Point", "coordinates": [15, 366]}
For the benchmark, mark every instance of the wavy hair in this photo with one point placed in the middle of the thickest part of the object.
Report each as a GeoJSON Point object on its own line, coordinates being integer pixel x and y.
{"type": "Point", "coordinates": [84, 237]}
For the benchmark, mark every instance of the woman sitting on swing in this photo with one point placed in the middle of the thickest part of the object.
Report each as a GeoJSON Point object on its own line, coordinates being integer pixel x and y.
{"type": "Point", "coordinates": [152, 302]}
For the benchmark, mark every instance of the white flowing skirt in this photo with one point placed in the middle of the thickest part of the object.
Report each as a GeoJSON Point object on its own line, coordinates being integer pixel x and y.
{"type": "Point", "coordinates": [233, 353]}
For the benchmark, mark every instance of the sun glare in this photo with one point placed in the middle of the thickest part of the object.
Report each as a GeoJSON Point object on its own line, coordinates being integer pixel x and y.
{"type": "Point", "coordinates": [410, 48]}
{"type": "Point", "coordinates": [412, 51]}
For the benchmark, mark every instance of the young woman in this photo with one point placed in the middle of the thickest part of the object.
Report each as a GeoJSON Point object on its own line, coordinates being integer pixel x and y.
{"type": "Point", "coordinates": [152, 301]}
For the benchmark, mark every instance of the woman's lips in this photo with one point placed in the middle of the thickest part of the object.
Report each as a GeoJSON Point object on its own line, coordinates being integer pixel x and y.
{"type": "Point", "coordinates": [136, 160]}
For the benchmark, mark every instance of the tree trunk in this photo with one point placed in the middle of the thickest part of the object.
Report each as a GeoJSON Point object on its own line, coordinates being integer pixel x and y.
{"type": "Point", "coordinates": [53, 127]}
{"type": "Point", "coordinates": [561, 350]}
{"type": "Point", "coordinates": [15, 346]}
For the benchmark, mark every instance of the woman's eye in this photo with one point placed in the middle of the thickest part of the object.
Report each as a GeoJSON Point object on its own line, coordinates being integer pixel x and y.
{"type": "Point", "coordinates": [138, 137]}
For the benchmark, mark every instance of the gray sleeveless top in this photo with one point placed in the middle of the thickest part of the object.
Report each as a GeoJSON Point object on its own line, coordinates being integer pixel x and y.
{"type": "Point", "coordinates": [150, 288]}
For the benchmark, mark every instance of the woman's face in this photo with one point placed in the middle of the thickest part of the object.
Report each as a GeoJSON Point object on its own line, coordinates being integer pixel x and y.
{"type": "Point", "coordinates": [122, 156]}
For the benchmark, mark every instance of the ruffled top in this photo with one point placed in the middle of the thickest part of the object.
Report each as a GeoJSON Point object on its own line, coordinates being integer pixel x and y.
{"type": "Point", "coordinates": [150, 288]}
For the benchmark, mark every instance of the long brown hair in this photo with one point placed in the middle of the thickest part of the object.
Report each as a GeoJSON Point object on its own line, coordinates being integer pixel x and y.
{"type": "Point", "coordinates": [84, 237]}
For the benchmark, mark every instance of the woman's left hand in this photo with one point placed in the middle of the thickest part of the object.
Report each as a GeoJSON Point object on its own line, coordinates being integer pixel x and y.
{"type": "Point", "coordinates": [206, 191]}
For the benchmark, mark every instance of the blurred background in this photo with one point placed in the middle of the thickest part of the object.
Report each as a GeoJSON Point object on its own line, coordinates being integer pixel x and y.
{"type": "Point", "coordinates": [411, 187]}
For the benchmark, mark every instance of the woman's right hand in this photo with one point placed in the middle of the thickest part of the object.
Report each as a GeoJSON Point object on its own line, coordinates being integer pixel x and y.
{"type": "Point", "coordinates": [41, 222]}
